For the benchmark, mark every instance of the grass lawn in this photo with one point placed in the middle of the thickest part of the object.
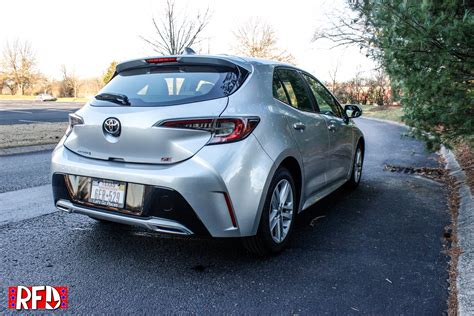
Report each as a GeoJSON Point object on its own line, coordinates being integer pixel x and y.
{"type": "Point", "coordinates": [8, 97]}
{"type": "Point", "coordinates": [391, 113]}
{"type": "Point", "coordinates": [17, 135]}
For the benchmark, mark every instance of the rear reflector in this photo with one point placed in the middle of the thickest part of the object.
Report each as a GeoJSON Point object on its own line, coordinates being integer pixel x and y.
{"type": "Point", "coordinates": [162, 60]}
{"type": "Point", "coordinates": [230, 209]}
{"type": "Point", "coordinates": [224, 130]}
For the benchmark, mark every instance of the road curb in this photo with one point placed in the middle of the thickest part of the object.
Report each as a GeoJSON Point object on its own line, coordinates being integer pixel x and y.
{"type": "Point", "coordinates": [25, 149]}
{"type": "Point", "coordinates": [465, 234]}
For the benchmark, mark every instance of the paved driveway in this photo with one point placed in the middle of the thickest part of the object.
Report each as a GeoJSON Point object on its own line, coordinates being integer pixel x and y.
{"type": "Point", "coordinates": [376, 250]}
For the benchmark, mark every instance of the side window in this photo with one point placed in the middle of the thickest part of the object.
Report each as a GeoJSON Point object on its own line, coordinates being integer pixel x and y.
{"type": "Point", "coordinates": [295, 87]}
{"type": "Point", "coordinates": [326, 103]}
{"type": "Point", "coordinates": [279, 91]}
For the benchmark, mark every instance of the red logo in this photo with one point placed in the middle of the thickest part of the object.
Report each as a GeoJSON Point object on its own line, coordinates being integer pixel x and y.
{"type": "Point", "coordinates": [37, 297]}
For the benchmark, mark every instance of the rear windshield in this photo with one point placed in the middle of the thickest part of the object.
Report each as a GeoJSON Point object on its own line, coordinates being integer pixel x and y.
{"type": "Point", "coordinates": [163, 86]}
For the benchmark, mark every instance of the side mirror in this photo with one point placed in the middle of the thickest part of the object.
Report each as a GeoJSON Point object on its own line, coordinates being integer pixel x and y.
{"type": "Point", "coordinates": [352, 110]}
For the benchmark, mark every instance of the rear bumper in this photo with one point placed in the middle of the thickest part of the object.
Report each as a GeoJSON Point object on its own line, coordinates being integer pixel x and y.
{"type": "Point", "coordinates": [163, 209]}
{"type": "Point", "coordinates": [238, 170]}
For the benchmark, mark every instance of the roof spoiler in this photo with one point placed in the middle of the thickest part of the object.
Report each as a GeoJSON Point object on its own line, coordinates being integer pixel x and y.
{"type": "Point", "coordinates": [184, 59]}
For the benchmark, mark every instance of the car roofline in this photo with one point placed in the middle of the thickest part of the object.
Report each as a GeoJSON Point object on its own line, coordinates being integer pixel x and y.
{"type": "Point", "coordinates": [216, 60]}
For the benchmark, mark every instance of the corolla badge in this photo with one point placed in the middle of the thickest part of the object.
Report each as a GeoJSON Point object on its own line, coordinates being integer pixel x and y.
{"type": "Point", "coordinates": [112, 126]}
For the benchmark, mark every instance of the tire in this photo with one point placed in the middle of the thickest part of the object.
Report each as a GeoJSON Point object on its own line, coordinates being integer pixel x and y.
{"type": "Point", "coordinates": [357, 165]}
{"type": "Point", "coordinates": [264, 242]}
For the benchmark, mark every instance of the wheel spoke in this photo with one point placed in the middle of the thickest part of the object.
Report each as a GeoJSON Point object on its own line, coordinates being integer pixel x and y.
{"type": "Point", "coordinates": [277, 191]}
{"type": "Point", "coordinates": [284, 193]}
{"type": "Point", "coordinates": [288, 206]}
{"type": "Point", "coordinates": [287, 215]}
{"type": "Point", "coordinates": [281, 228]}
{"type": "Point", "coordinates": [273, 219]}
{"type": "Point", "coordinates": [278, 230]}
{"type": "Point", "coordinates": [274, 202]}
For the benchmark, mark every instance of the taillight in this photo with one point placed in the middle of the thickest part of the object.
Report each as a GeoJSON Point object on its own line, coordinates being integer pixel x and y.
{"type": "Point", "coordinates": [74, 120]}
{"type": "Point", "coordinates": [224, 130]}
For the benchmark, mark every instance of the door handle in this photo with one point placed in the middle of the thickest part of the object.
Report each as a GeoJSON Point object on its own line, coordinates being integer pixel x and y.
{"type": "Point", "coordinates": [332, 127]}
{"type": "Point", "coordinates": [299, 126]}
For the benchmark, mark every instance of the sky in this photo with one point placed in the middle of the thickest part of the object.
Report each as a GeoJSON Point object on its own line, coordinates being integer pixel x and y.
{"type": "Point", "coordinates": [87, 35]}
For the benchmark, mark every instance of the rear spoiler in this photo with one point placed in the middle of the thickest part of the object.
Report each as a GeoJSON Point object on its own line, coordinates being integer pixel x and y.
{"type": "Point", "coordinates": [186, 59]}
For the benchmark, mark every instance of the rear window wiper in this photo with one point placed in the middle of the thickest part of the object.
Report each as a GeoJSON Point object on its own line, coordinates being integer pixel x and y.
{"type": "Point", "coordinates": [113, 97]}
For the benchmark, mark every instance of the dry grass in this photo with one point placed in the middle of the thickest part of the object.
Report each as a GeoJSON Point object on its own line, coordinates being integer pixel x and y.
{"type": "Point", "coordinates": [17, 135]}
{"type": "Point", "coordinates": [391, 113]}
{"type": "Point", "coordinates": [16, 97]}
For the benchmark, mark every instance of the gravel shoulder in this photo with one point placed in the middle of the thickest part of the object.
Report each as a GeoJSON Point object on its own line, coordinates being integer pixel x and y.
{"type": "Point", "coordinates": [465, 236]}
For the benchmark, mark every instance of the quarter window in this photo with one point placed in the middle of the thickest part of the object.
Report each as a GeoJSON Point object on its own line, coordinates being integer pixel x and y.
{"type": "Point", "coordinates": [326, 102]}
{"type": "Point", "coordinates": [295, 87]}
{"type": "Point", "coordinates": [278, 91]}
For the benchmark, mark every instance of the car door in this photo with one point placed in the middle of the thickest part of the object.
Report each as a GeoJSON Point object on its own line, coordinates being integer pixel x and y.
{"type": "Point", "coordinates": [308, 127]}
{"type": "Point", "coordinates": [340, 132]}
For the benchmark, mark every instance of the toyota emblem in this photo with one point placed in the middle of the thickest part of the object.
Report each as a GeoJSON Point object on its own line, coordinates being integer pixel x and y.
{"type": "Point", "coordinates": [112, 126]}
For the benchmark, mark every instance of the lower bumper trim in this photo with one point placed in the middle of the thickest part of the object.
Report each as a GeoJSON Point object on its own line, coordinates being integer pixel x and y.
{"type": "Point", "coordinates": [153, 223]}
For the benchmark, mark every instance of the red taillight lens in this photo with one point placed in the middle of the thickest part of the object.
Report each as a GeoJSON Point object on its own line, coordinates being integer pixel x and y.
{"type": "Point", "coordinates": [224, 130]}
{"type": "Point", "coordinates": [161, 60]}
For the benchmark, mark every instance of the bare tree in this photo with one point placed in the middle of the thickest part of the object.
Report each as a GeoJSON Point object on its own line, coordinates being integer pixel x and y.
{"type": "Point", "coordinates": [69, 84]}
{"type": "Point", "coordinates": [382, 87]}
{"type": "Point", "coordinates": [19, 66]}
{"type": "Point", "coordinates": [356, 88]}
{"type": "Point", "coordinates": [174, 31]}
{"type": "Point", "coordinates": [344, 27]}
{"type": "Point", "coordinates": [333, 74]}
{"type": "Point", "coordinates": [258, 39]}
{"type": "Point", "coordinates": [90, 86]}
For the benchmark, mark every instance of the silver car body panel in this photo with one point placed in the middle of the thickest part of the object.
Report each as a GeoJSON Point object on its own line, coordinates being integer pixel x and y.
{"type": "Point", "coordinates": [200, 173]}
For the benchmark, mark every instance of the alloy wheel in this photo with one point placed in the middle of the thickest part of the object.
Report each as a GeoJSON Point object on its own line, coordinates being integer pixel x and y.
{"type": "Point", "coordinates": [358, 165]}
{"type": "Point", "coordinates": [281, 213]}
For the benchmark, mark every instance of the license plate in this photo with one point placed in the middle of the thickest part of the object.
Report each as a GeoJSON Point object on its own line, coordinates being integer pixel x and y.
{"type": "Point", "coordinates": [108, 193]}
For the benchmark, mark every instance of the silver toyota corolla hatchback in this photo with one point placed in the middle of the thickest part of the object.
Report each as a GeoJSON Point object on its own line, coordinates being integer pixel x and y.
{"type": "Point", "coordinates": [217, 146]}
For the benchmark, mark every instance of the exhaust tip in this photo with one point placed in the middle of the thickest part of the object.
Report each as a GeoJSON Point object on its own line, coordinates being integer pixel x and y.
{"type": "Point", "coordinates": [63, 208]}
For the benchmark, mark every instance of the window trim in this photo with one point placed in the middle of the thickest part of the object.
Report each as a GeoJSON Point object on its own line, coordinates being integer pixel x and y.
{"type": "Point", "coordinates": [311, 96]}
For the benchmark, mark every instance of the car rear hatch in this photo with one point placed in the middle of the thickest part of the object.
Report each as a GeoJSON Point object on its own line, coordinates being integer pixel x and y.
{"type": "Point", "coordinates": [124, 121]}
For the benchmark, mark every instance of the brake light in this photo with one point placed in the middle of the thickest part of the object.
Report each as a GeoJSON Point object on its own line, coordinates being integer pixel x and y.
{"type": "Point", "coordinates": [161, 60]}
{"type": "Point", "coordinates": [224, 130]}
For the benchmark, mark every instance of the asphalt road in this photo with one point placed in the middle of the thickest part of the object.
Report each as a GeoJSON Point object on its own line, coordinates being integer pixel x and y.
{"type": "Point", "coordinates": [376, 250]}
{"type": "Point", "coordinates": [25, 112]}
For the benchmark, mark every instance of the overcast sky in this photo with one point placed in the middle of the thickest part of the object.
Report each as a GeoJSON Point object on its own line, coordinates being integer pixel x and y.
{"type": "Point", "coordinates": [88, 34]}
